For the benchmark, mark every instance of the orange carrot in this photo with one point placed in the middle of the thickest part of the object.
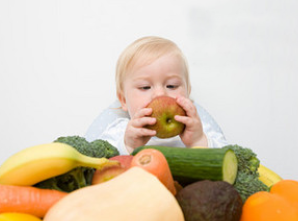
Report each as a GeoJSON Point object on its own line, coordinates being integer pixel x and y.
{"type": "Point", "coordinates": [28, 199]}
{"type": "Point", "coordinates": [155, 162]}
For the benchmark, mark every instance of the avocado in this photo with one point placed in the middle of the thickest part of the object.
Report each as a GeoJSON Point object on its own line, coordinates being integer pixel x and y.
{"type": "Point", "coordinates": [210, 201]}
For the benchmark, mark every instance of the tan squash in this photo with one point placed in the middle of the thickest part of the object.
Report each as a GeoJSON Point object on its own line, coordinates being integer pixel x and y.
{"type": "Point", "coordinates": [135, 195]}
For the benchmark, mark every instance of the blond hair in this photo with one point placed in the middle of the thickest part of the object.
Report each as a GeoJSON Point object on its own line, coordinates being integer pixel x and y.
{"type": "Point", "coordinates": [151, 48]}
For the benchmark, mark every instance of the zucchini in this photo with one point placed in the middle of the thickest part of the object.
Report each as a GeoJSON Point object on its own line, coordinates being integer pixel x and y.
{"type": "Point", "coordinates": [193, 164]}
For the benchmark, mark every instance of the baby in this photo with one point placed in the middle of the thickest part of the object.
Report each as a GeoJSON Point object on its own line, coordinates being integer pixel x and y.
{"type": "Point", "coordinates": [151, 67]}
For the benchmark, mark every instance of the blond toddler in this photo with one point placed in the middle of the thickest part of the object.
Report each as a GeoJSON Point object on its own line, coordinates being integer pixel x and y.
{"type": "Point", "coordinates": [150, 67]}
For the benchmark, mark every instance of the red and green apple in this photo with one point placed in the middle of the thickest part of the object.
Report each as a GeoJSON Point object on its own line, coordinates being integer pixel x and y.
{"type": "Point", "coordinates": [164, 109]}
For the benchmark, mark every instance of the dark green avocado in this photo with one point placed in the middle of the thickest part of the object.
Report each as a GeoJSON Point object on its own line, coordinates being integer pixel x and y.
{"type": "Point", "coordinates": [210, 201]}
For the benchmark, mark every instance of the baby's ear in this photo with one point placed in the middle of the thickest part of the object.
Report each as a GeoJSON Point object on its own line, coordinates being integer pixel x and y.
{"type": "Point", "coordinates": [122, 100]}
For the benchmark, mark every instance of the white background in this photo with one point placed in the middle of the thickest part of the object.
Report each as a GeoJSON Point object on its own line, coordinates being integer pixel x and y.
{"type": "Point", "coordinates": [57, 62]}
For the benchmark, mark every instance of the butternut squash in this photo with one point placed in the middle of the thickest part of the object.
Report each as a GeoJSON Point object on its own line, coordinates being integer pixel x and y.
{"type": "Point", "coordinates": [133, 196]}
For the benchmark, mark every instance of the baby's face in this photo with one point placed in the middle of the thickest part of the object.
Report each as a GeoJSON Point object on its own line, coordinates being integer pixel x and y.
{"type": "Point", "coordinates": [164, 76]}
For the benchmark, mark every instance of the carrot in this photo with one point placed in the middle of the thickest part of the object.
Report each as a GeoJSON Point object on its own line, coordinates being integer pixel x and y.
{"type": "Point", "coordinates": [155, 163]}
{"type": "Point", "coordinates": [28, 199]}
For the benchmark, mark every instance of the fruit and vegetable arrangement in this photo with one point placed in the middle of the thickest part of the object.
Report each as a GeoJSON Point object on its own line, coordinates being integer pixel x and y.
{"type": "Point", "coordinates": [56, 181]}
{"type": "Point", "coordinates": [72, 179]}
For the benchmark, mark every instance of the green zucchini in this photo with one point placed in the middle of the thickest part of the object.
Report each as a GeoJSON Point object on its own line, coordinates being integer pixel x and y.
{"type": "Point", "coordinates": [193, 164]}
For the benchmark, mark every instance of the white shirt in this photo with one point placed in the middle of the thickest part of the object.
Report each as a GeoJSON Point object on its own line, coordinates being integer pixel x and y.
{"type": "Point", "coordinates": [111, 124]}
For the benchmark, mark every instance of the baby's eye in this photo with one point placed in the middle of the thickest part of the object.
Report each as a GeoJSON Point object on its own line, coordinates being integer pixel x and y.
{"type": "Point", "coordinates": [145, 88]}
{"type": "Point", "coordinates": [171, 86]}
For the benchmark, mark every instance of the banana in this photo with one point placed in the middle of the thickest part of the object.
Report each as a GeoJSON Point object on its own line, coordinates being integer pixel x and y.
{"type": "Point", "coordinates": [37, 163]}
{"type": "Point", "coordinates": [199, 147]}
{"type": "Point", "coordinates": [267, 176]}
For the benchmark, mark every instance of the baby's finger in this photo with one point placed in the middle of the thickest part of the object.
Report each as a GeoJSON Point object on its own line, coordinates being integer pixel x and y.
{"type": "Point", "coordinates": [142, 132]}
{"type": "Point", "coordinates": [187, 105]}
{"type": "Point", "coordinates": [143, 121]}
{"type": "Point", "coordinates": [183, 119]}
{"type": "Point", "coordinates": [147, 132]}
{"type": "Point", "coordinates": [142, 113]}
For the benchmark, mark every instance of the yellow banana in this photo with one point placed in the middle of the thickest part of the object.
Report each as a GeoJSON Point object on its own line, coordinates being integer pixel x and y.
{"type": "Point", "coordinates": [267, 176]}
{"type": "Point", "coordinates": [38, 163]}
{"type": "Point", "coordinates": [198, 147]}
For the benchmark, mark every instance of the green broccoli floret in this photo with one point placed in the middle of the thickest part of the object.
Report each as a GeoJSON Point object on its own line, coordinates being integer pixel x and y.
{"type": "Point", "coordinates": [247, 159]}
{"type": "Point", "coordinates": [97, 148]}
{"type": "Point", "coordinates": [81, 176]}
{"type": "Point", "coordinates": [79, 143]}
{"type": "Point", "coordinates": [247, 181]}
{"type": "Point", "coordinates": [69, 181]}
{"type": "Point", "coordinates": [248, 184]}
{"type": "Point", "coordinates": [104, 148]}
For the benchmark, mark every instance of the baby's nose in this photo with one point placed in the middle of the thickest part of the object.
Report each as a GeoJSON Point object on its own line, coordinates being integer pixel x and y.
{"type": "Point", "coordinates": [160, 92]}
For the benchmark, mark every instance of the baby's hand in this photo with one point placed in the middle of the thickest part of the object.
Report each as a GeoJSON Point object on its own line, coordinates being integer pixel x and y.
{"type": "Point", "coordinates": [193, 134]}
{"type": "Point", "coordinates": [136, 134]}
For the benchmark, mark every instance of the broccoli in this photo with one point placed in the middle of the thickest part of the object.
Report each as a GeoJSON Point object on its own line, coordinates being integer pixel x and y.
{"type": "Point", "coordinates": [76, 178]}
{"type": "Point", "coordinates": [97, 148]}
{"type": "Point", "coordinates": [247, 181]}
{"type": "Point", "coordinates": [79, 143]}
{"type": "Point", "coordinates": [81, 176]}
{"type": "Point", "coordinates": [104, 147]}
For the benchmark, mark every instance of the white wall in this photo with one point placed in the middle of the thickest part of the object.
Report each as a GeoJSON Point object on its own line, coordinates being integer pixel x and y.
{"type": "Point", "coordinates": [57, 61]}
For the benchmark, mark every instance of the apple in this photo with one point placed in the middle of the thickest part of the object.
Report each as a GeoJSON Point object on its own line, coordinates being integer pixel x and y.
{"type": "Point", "coordinates": [107, 174]}
{"type": "Point", "coordinates": [125, 160]}
{"type": "Point", "coordinates": [164, 109]}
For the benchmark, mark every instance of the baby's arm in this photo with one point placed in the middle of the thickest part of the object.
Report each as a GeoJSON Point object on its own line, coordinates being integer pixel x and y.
{"type": "Point", "coordinates": [193, 134]}
{"type": "Point", "coordinates": [136, 134]}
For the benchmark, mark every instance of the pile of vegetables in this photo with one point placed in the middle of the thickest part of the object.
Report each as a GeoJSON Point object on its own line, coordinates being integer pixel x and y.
{"type": "Point", "coordinates": [209, 184]}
